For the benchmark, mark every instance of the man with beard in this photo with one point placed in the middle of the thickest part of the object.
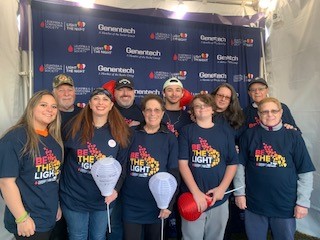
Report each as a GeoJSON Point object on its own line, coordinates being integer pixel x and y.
{"type": "Point", "coordinates": [65, 93]}
{"type": "Point", "coordinates": [124, 96]}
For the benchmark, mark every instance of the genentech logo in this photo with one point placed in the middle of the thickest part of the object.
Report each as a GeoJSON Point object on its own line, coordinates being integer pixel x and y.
{"type": "Point", "coordinates": [79, 48]}
{"type": "Point", "coordinates": [76, 27]}
{"type": "Point", "coordinates": [116, 31]}
{"type": "Point", "coordinates": [143, 53]}
{"type": "Point", "coordinates": [50, 68]}
{"type": "Point", "coordinates": [50, 24]}
{"type": "Point", "coordinates": [214, 40]}
{"type": "Point", "coordinates": [223, 59]}
{"type": "Point", "coordinates": [78, 68]}
{"type": "Point", "coordinates": [115, 71]}
{"type": "Point", "coordinates": [105, 49]}
{"type": "Point", "coordinates": [212, 77]}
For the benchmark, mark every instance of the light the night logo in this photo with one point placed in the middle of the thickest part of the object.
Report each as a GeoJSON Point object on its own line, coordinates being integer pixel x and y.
{"type": "Point", "coordinates": [267, 157]}
{"type": "Point", "coordinates": [47, 167]}
{"type": "Point", "coordinates": [204, 155]}
{"type": "Point", "coordinates": [87, 157]}
{"type": "Point", "coordinates": [142, 164]}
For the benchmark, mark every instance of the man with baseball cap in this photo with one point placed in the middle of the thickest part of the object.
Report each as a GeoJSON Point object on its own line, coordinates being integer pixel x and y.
{"type": "Point", "coordinates": [175, 117]}
{"type": "Point", "coordinates": [64, 91]}
{"type": "Point", "coordinates": [124, 96]}
{"type": "Point", "coordinates": [258, 90]}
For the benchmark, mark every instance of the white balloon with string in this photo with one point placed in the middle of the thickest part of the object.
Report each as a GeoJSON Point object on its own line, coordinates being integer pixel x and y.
{"type": "Point", "coordinates": [106, 173]}
{"type": "Point", "coordinates": [162, 186]}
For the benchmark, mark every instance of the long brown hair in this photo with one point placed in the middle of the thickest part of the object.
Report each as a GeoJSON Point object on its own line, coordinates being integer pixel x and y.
{"type": "Point", "coordinates": [31, 147]}
{"type": "Point", "coordinates": [233, 114]}
{"type": "Point", "coordinates": [83, 122]}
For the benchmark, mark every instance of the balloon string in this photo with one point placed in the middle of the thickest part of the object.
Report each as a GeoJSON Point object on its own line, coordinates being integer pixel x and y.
{"type": "Point", "coordinates": [162, 223]}
{"type": "Point", "coordinates": [235, 189]}
{"type": "Point", "coordinates": [109, 223]}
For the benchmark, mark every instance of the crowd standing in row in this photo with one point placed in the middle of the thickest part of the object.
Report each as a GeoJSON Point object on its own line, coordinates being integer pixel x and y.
{"type": "Point", "coordinates": [270, 162]}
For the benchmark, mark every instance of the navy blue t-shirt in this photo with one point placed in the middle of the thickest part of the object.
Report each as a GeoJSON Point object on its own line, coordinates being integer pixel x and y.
{"type": "Point", "coordinates": [148, 154]}
{"type": "Point", "coordinates": [252, 117]}
{"type": "Point", "coordinates": [273, 160]}
{"type": "Point", "coordinates": [78, 190]}
{"type": "Point", "coordinates": [175, 120]}
{"type": "Point", "coordinates": [37, 179]}
{"type": "Point", "coordinates": [209, 151]}
{"type": "Point", "coordinates": [66, 116]}
{"type": "Point", "coordinates": [132, 113]}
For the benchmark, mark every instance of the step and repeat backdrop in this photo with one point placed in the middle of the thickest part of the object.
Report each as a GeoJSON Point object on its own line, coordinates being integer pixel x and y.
{"type": "Point", "coordinates": [95, 46]}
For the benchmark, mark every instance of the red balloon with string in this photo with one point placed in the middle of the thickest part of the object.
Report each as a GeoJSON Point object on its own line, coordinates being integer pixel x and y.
{"type": "Point", "coordinates": [188, 207]}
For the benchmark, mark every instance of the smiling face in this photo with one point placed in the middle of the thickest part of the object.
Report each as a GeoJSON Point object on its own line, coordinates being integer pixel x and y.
{"type": "Point", "coordinates": [44, 112]}
{"type": "Point", "coordinates": [124, 97]}
{"type": "Point", "coordinates": [258, 92]}
{"type": "Point", "coordinates": [173, 94]}
{"type": "Point", "coordinates": [100, 105]}
{"type": "Point", "coordinates": [65, 95]}
{"type": "Point", "coordinates": [153, 113]}
{"type": "Point", "coordinates": [222, 99]}
{"type": "Point", "coordinates": [270, 113]}
{"type": "Point", "coordinates": [201, 110]}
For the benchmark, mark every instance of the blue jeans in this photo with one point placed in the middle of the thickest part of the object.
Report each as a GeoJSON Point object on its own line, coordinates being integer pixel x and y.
{"type": "Point", "coordinates": [86, 225]}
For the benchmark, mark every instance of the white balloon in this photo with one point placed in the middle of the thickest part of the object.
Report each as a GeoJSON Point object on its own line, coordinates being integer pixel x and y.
{"type": "Point", "coordinates": [106, 173]}
{"type": "Point", "coordinates": [162, 186]}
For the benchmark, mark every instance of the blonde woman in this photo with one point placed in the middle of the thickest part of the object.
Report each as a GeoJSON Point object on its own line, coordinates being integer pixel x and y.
{"type": "Point", "coordinates": [30, 157]}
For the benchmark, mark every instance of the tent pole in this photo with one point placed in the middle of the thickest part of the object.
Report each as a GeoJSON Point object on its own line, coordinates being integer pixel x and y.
{"type": "Point", "coordinates": [30, 50]}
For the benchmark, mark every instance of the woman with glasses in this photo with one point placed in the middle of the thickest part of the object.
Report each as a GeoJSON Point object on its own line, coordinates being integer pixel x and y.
{"type": "Point", "coordinates": [277, 172]}
{"type": "Point", "coordinates": [258, 90]}
{"type": "Point", "coordinates": [207, 163]}
{"type": "Point", "coordinates": [98, 131]}
{"type": "Point", "coordinates": [228, 111]}
{"type": "Point", "coordinates": [153, 149]}
{"type": "Point", "coordinates": [31, 153]}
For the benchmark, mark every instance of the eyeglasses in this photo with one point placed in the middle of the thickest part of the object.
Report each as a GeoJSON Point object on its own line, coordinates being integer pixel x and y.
{"type": "Point", "coordinates": [223, 96]}
{"type": "Point", "coordinates": [149, 111]}
{"type": "Point", "coordinates": [260, 89]}
{"type": "Point", "coordinates": [201, 106]}
{"type": "Point", "coordinates": [266, 112]}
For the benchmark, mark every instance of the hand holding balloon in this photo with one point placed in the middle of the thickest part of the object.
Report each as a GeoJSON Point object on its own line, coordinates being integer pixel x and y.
{"type": "Point", "coordinates": [111, 198]}
{"type": "Point", "coordinates": [164, 213]}
{"type": "Point", "coordinates": [215, 194]}
{"type": "Point", "coordinates": [201, 200]}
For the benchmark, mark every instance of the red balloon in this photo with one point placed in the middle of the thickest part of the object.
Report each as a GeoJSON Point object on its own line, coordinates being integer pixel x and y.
{"type": "Point", "coordinates": [186, 99]}
{"type": "Point", "coordinates": [188, 207]}
{"type": "Point", "coordinates": [110, 86]}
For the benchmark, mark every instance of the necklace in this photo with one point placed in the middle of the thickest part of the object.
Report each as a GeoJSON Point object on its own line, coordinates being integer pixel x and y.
{"type": "Point", "coordinates": [170, 118]}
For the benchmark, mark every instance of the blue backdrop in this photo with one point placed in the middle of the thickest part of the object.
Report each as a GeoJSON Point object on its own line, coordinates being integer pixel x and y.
{"type": "Point", "coordinates": [95, 46]}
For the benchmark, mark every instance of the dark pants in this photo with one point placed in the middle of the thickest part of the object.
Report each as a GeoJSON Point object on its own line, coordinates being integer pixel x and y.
{"type": "Point", "coordinates": [59, 231]}
{"type": "Point", "coordinates": [134, 231]}
{"type": "Point", "coordinates": [35, 236]}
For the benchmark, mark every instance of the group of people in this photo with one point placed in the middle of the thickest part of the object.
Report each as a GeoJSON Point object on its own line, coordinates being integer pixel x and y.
{"type": "Point", "coordinates": [46, 158]}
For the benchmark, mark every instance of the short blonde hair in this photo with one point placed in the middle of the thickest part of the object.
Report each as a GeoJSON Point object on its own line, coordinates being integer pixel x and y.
{"type": "Point", "coordinates": [267, 100]}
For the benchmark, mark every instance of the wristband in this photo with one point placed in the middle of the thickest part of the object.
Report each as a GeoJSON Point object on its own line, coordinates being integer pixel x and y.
{"type": "Point", "coordinates": [22, 218]}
